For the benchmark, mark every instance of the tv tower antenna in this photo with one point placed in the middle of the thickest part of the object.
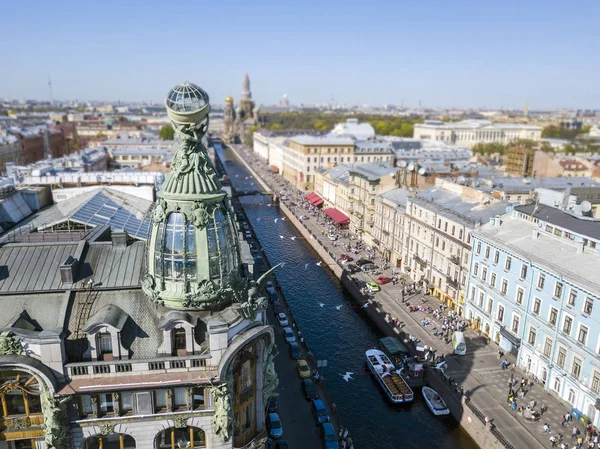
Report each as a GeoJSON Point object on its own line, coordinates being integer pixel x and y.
{"type": "Point", "coordinates": [50, 90]}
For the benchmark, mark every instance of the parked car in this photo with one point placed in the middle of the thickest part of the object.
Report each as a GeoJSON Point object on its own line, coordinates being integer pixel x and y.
{"type": "Point", "coordinates": [273, 404]}
{"type": "Point", "coordinates": [351, 267]}
{"type": "Point", "coordinates": [247, 235]}
{"type": "Point", "coordinates": [283, 321]}
{"type": "Point", "coordinates": [245, 225]}
{"type": "Point", "coordinates": [383, 280]}
{"type": "Point", "coordinates": [303, 217]}
{"type": "Point", "coordinates": [361, 262]}
{"type": "Point", "coordinates": [277, 307]}
{"type": "Point", "coordinates": [310, 392]}
{"type": "Point", "coordinates": [274, 298]}
{"type": "Point", "coordinates": [274, 425]}
{"type": "Point", "coordinates": [332, 237]}
{"type": "Point", "coordinates": [270, 287]}
{"type": "Point", "coordinates": [288, 334]}
{"type": "Point", "coordinates": [303, 369]}
{"type": "Point", "coordinates": [368, 266]}
{"type": "Point", "coordinates": [373, 286]}
{"type": "Point", "coordinates": [328, 436]}
{"type": "Point", "coordinates": [295, 352]}
{"type": "Point", "coordinates": [345, 258]}
{"type": "Point", "coordinates": [320, 411]}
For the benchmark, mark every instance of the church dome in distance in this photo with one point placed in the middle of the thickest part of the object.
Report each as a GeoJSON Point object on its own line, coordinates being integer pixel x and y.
{"type": "Point", "coordinates": [187, 104]}
{"type": "Point", "coordinates": [229, 99]}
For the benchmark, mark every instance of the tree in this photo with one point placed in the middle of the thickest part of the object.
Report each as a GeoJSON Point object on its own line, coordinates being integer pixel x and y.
{"type": "Point", "coordinates": [321, 125]}
{"type": "Point", "coordinates": [167, 133]}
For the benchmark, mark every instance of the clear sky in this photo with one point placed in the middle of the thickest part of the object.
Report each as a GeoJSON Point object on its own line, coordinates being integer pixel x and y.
{"type": "Point", "coordinates": [446, 53]}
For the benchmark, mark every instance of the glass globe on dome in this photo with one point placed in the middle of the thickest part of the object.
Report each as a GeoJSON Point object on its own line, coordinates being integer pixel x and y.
{"type": "Point", "coordinates": [187, 104]}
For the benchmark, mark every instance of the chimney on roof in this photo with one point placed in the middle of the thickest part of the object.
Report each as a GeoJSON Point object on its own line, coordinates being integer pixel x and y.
{"type": "Point", "coordinates": [118, 238]}
{"type": "Point", "coordinates": [68, 270]}
{"type": "Point", "coordinates": [566, 196]}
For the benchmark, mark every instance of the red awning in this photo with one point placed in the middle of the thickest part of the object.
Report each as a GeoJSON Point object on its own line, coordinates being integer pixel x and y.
{"type": "Point", "coordinates": [316, 201]}
{"type": "Point", "coordinates": [310, 195]}
{"type": "Point", "coordinates": [337, 216]}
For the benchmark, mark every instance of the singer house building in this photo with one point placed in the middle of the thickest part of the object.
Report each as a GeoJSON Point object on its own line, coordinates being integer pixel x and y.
{"type": "Point", "coordinates": [156, 340]}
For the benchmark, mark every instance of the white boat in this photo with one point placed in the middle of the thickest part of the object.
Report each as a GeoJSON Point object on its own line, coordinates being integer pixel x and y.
{"type": "Point", "coordinates": [393, 384]}
{"type": "Point", "coordinates": [435, 402]}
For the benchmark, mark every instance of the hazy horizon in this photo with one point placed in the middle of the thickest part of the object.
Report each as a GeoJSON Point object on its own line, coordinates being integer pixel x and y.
{"type": "Point", "coordinates": [466, 55]}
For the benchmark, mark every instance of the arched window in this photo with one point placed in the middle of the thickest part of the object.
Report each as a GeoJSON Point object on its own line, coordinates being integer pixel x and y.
{"type": "Point", "coordinates": [114, 441]}
{"type": "Point", "coordinates": [571, 396]}
{"type": "Point", "coordinates": [19, 393]}
{"type": "Point", "coordinates": [221, 246]}
{"type": "Point", "coordinates": [173, 438]}
{"type": "Point", "coordinates": [175, 249]}
{"type": "Point", "coordinates": [557, 385]}
{"type": "Point", "coordinates": [178, 338]}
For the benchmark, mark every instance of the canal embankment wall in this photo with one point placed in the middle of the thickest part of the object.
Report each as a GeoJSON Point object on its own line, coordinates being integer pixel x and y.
{"type": "Point", "coordinates": [470, 418]}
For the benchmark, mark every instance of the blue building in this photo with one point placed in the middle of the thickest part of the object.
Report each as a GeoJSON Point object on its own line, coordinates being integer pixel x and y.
{"type": "Point", "coordinates": [534, 280]}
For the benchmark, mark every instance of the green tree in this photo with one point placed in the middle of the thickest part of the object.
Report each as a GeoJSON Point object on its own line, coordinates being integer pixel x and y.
{"type": "Point", "coordinates": [166, 133]}
{"type": "Point", "coordinates": [321, 125]}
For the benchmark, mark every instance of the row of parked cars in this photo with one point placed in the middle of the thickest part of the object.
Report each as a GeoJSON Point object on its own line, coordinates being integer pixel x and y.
{"type": "Point", "coordinates": [327, 432]}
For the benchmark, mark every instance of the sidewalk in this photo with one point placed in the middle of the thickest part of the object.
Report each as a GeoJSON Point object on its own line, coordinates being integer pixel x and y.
{"type": "Point", "coordinates": [479, 371]}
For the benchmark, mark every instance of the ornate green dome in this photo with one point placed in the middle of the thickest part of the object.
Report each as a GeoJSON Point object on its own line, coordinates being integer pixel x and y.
{"type": "Point", "coordinates": [193, 252]}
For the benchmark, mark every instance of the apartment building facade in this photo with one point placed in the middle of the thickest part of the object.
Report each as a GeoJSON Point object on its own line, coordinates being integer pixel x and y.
{"type": "Point", "coordinates": [533, 289]}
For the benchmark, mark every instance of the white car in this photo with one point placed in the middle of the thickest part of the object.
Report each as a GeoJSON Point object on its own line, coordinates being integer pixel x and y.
{"type": "Point", "coordinates": [283, 321]}
{"type": "Point", "coordinates": [303, 217]}
{"type": "Point", "coordinates": [332, 237]}
{"type": "Point", "coordinates": [248, 235]}
{"type": "Point", "coordinates": [270, 287]}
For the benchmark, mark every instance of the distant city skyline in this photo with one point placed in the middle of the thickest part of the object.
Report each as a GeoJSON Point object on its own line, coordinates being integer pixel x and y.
{"type": "Point", "coordinates": [463, 55]}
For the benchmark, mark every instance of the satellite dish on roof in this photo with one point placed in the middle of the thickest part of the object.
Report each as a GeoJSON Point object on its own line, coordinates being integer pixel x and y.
{"type": "Point", "coordinates": [401, 163]}
{"type": "Point", "coordinates": [586, 206]}
{"type": "Point", "coordinates": [461, 180]}
{"type": "Point", "coordinates": [422, 171]}
{"type": "Point", "coordinates": [410, 167]}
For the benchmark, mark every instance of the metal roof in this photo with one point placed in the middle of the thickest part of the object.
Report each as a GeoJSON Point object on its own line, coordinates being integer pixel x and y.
{"type": "Point", "coordinates": [557, 217]}
{"type": "Point", "coordinates": [33, 267]}
{"type": "Point", "coordinates": [111, 266]}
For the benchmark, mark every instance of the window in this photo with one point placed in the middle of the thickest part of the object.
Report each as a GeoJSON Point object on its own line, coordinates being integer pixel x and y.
{"type": "Point", "coordinates": [572, 297]}
{"type": "Point", "coordinates": [523, 271]}
{"type": "Point", "coordinates": [561, 357]}
{"type": "Point", "coordinates": [515, 324]}
{"type": "Point", "coordinates": [508, 263]}
{"type": "Point", "coordinates": [180, 400]}
{"type": "Point", "coordinates": [487, 252]}
{"type": "Point", "coordinates": [519, 297]}
{"type": "Point", "coordinates": [476, 268]}
{"type": "Point", "coordinates": [198, 397]}
{"type": "Point", "coordinates": [460, 234]}
{"type": "Point", "coordinates": [504, 286]}
{"type": "Point", "coordinates": [558, 288]}
{"type": "Point", "coordinates": [541, 279]}
{"type": "Point", "coordinates": [106, 403]}
{"type": "Point", "coordinates": [478, 247]}
{"type": "Point", "coordinates": [588, 305]}
{"type": "Point", "coordinates": [500, 313]}
{"type": "Point", "coordinates": [484, 274]}
{"type": "Point", "coordinates": [104, 343]}
{"type": "Point", "coordinates": [532, 335]}
{"type": "Point", "coordinates": [481, 299]}
{"type": "Point", "coordinates": [576, 369]}
{"type": "Point", "coordinates": [536, 306]}
{"type": "Point", "coordinates": [493, 280]}
{"type": "Point", "coordinates": [582, 335]}
{"type": "Point", "coordinates": [553, 317]}
{"type": "Point", "coordinates": [548, 347]}
{"type": "Point", "coordinates": [126, 401]}
{"type": "Point", "coordinates": [490, 306]}
{"type": "Point", "coordinates": [596, 382]}
{"type": "Point", "coordinates": [178, 336]}
{"type": "Point", "coordinates": [160, 399]}
{"type": "Point", "coordinates": [446, 227]}
{"type": "Point", "coordinates": [496, 256]}
{"type": "Point", "coordinates": [439, 223]}
{"type": "Point", "coordinates": [567, 324]}
{"type": "Point", "coordinates": [453, 229]}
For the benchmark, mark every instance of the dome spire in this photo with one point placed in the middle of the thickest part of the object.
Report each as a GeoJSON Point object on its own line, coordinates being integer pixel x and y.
{"type": "Point", "coordinates": [246, 93]}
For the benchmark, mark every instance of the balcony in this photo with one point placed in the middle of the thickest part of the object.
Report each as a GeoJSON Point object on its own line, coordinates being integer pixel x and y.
{"type": "Point", "coordinates": [92, 369]}
{"type": "Point", "coordinates": [421, 262]}
{"type": "Point", "coordinates": [370, 222]}
{"type": "Point", "coordinates": [452, 282]}
{"type": "Point", "coordinates": [455, 260]}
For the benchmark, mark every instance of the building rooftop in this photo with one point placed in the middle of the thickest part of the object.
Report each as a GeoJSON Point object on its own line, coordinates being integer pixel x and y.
{"type": "Point", "coordinates": [371, 172]}
{"type": "Point", "coordinates": [554, 254]}
{"type": "Point", "coordinates": [317, 140]}
{"type": "Point", "coordinates": [396, 196]}
{"type": "Point", "coordinates": [523, 185]}
{"type": "Point", "coordinates": [354, 129]}
{"type": "Point", "coordinates": [458, 208]}
{"type": "Point", "coordinates": [579, 225]}
{"type": "Point", "coordinates": [474, 124]}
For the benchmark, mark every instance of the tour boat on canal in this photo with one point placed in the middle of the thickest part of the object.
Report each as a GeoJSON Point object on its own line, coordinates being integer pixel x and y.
{"type": "Point", "coordinates": [394, 386]}
{"type": "Point", "coordinates": [434, 401]}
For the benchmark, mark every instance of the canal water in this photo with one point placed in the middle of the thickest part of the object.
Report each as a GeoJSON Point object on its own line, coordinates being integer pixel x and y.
{"type": "Point", "coordinates": [337, 331]}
